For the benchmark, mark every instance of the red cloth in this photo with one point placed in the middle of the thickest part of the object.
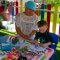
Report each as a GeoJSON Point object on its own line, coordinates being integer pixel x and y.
{"type": "Point", "coordinates": [1, 8]}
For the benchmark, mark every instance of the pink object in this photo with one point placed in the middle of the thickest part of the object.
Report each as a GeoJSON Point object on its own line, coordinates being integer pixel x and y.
{"type": "Point", "coordinates": [46, 55]}
{"type": "Point", "coordinates": [49, 54]}
{"type": "Point", "coordinates": [13, 55]}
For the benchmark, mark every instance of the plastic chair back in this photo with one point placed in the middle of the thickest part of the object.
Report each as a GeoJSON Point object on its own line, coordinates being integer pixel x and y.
{"type": "Point", "coordinates": [55, 38]}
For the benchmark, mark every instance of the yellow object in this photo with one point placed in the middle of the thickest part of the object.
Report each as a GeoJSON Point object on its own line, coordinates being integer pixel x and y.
{"type": "Point", "coordinates": [4, 59]}
{"type": "Point", "coordinates": [55, 19]}
{"type": "Point", "coordinates": [20, 39]}
{"type": "Point", "coordinates": [21, 6]}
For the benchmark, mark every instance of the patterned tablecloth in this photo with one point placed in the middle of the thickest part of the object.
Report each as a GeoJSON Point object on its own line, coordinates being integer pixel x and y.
{"type": "Point", "coordinates": [33, 52]}
{"type": "Point", "coordinates": [28, 50]}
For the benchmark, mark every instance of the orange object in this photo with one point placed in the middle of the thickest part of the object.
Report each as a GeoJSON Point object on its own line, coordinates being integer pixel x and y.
{"type": "Point", "coordinates": [37, 12]}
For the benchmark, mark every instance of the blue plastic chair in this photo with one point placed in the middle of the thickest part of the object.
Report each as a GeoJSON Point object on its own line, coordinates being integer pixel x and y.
{"type": "Point", "coordinates": [55, 38]}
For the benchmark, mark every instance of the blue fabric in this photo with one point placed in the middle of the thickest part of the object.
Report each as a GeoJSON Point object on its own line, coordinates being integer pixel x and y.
{"type": "Point", "coordinates": [3, 39]}
{"type": "Point", "coordinates": [30, 5]}
{"type": "Point", "coordinates": [6, 46]}
{"type": "Point", "coordinates": [55, 38]}
{"type": "Point", "coordinates": [54, 56]}
{"type": "Point", "coordinates": [44, 37]}
{"type": "Point", "coordinates": [47, 36]}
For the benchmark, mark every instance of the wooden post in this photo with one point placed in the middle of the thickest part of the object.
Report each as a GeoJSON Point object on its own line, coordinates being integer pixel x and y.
{"type": "Point", "coordinates": [55, 18]}
{"type": "Point", "coordinates": [48, 15]}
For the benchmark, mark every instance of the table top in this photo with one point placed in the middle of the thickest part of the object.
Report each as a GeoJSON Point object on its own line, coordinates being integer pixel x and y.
{"type": "Point", "coordinates": [34, 52]}
{"type": "Point", "coordinates": [44, 56]}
